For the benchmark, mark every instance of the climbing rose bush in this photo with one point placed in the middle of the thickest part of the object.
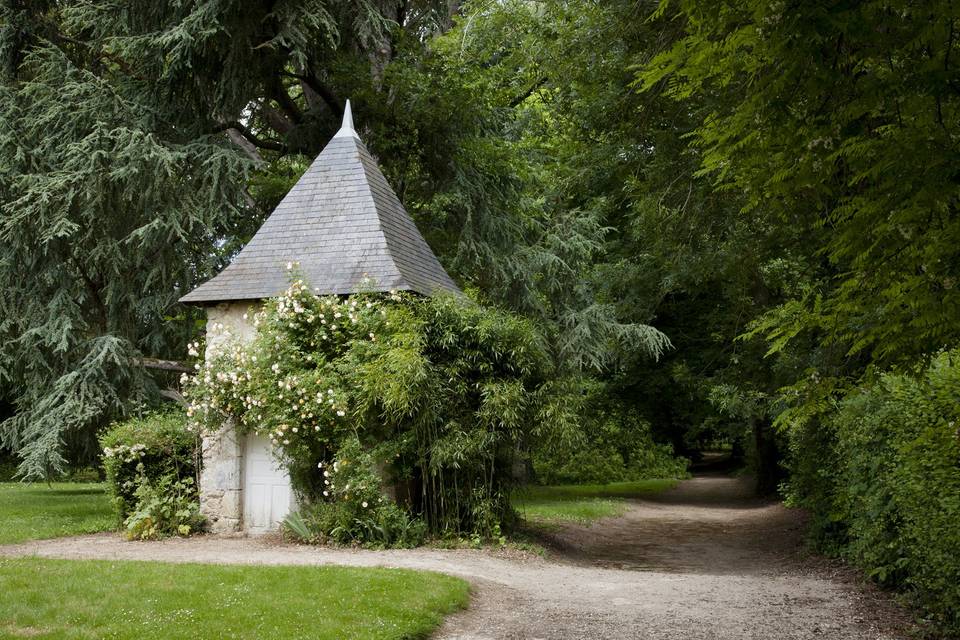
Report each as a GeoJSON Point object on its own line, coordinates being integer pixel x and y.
{"type": "Point", "coordinates": [278, 386]}
{"type": "Point", "coordinates": [438, 394]}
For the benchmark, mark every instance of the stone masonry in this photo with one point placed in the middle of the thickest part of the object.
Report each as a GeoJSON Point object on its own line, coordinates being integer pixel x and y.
{"type": "Point", "coordinates": [221, 480]}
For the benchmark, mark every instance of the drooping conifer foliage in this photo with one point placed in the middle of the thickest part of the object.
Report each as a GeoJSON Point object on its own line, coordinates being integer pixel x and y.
{"type": "Point", "coordinates": [110, 208]}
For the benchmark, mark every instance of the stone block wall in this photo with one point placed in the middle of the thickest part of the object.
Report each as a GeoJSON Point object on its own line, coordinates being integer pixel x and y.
{"type": "Point", "coordinates": [221, 480]}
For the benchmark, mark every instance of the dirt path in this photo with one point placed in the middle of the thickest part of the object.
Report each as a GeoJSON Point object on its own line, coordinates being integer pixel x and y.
{"type": "Point", "coordinates": [703, 561]}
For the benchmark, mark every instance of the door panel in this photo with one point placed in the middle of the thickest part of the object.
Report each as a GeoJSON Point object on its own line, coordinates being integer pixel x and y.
{"type": "Point", "coordinates": [266, 491]}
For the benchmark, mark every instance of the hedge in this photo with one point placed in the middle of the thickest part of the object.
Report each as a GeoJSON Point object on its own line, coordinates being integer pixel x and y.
{"type": "Point", "coordinates": [891, 461]}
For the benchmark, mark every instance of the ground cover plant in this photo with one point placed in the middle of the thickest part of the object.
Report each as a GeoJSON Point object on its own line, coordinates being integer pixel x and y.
{"type": "Point", "coordinates": [583, 503]}
{"type": "Point", "coordinates": [38, 510]}
{"type": "Point", "coordinates": [61, 599]}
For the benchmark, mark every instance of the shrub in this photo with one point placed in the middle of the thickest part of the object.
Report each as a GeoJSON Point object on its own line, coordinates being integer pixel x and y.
{"type": "Point", "coordinates": [614, 446]}
{"type": "Point", "coordinates": [891, 466]}
{"type": "Point", "coordinates": [352, 507]}
{"type": "Point", "coordinates": [437, 394]}
{"type": "Point", "coordinates": [164, 506]}
{"type": "Point", "coordinates": [152, 466]}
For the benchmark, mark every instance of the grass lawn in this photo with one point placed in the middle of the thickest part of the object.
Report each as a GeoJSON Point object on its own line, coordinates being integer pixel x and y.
{"type": "Point", "coordinates": [73, 599]}
{"type": "Point", "coordinates": [36, 511]}
{"type": "Point", "coordinates": [583, 503]}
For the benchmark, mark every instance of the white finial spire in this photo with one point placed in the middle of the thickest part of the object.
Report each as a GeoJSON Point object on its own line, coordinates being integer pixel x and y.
{"type": "Point", "coordinates": [346, 129]}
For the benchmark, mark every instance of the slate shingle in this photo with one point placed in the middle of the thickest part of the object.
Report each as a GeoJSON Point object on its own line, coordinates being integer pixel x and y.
{"type": "Point", "coordinates": [342, 223]}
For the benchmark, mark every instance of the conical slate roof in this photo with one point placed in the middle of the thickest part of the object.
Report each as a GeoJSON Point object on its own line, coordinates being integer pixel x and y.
{"type": "Point", "coordinates": [341, 223]}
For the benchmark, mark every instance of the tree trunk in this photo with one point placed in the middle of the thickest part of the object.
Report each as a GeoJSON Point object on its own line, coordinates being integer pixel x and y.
{"type": "Point", "coordinates": [766, 458]}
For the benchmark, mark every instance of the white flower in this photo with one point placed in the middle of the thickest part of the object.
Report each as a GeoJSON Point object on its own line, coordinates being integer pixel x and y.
{"type": "Point", "coordinates": [364, 504]}
{"type": "Point", "coordinates": [326, 493]}
{"type": "Point", "coordinates": [326, 474]}
{"type": "Point", "coordinates": [341, 413]}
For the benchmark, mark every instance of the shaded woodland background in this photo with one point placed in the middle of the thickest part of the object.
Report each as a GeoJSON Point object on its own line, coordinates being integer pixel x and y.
{"type": "Point", "coordinates": [772, 187]}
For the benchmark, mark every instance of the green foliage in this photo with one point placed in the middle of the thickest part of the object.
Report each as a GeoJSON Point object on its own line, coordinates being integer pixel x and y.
{"type": "Point", "coordinates": [150, 142]}
{"type": "Point", "coordinates": [885, 483]}
{"type": "Point", "coordinates": [432, 396]}
{"type": "Point", "coordinates": [612, 444]}
{"type": "Point", "coordinates": [153, 464]}
{"type": "Point", "coordinates": [606, 458]}
{"type": "Point", "coordinates": [353, 508]}
{"type": "Point", "coordinates": [835, 124]}
{"type": "Point", "coordinates": [129, 141]}
{"type": "Point", "coordinates": [8, 466]}
{"type": "Point", "coordinates": [111, 210]}
{"type": "Point", "coordinates": [838, 119]}
{"type": "Point", "coordinates": [165, 506]}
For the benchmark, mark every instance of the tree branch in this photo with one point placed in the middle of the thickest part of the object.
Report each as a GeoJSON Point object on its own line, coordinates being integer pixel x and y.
{"type": "Point", "coordinates": [164, 365]}
{"type": "Point", "coordinates": [286, 103]}
{"type": "Point", "coordinates": [320, 89]}
{"type": "Point", "coordinates": [270, 145]}
{"type": "Point", "coordinates": [526, 94]}
{"type": "Point", "coordinates": [176, 396]}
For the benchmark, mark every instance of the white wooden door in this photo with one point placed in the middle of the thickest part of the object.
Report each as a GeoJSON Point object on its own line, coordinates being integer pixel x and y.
{"type": "Point", "coordinates": [267, 495]}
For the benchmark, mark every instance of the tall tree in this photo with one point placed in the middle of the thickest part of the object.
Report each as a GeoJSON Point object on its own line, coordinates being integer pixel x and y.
{"type": "Point", "coordinates": [837, 122]}
{"type": "Point", "coordinates": [128, 132]}
{"type": "Point", "coordinates": [143, 141]}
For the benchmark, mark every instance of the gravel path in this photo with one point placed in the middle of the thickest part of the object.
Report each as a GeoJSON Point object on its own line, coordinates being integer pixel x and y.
{"type": "Point", "coordinates": [702, 561]}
